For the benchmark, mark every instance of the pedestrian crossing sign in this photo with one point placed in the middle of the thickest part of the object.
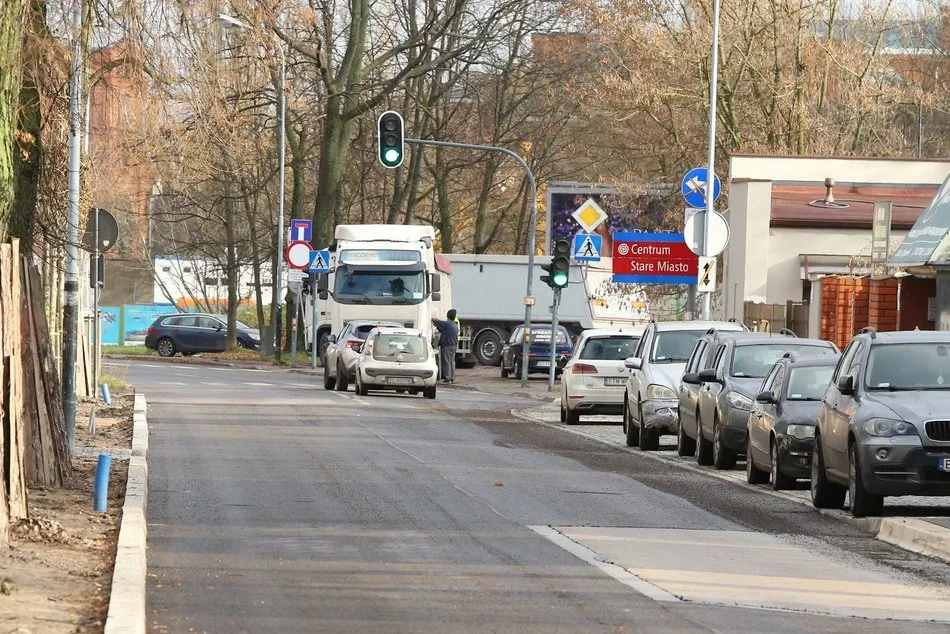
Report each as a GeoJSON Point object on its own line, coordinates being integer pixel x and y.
{"type": "Point", "coordinates": [587, 247]}
{"type": "Point", "coordinates": [320, 261]}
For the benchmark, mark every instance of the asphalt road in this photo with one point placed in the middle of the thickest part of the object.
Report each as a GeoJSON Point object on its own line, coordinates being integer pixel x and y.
{"type": "Point", "coordinates": [277, 506]}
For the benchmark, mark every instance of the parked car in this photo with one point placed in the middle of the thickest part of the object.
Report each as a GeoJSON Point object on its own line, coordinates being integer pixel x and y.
{"type": "Point", "coordinates": [341, 357]}
{"type": "Point", "coordinates": [593, 379]}
{"type": "Point", "coordinates": [650, 401]}
{"type": "Point", "coordinates": [539, 353]}
{"type": "Point", "coordinates": [396, 359]}
{"type": "Point", "coordinates": [782, 421]}
{"type": "Point", "coordinates": [729, 387]}
{"type": "Point", "coordinates": [688, 394]}
{"type": "Point", "coordinates": [884, 422]}
{"type": "Point", "coordinates": [190, 333]}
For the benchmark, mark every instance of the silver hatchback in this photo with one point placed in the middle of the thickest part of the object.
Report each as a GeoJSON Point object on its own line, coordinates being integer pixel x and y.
{"type": "Point", "coordinates": [341, 355]}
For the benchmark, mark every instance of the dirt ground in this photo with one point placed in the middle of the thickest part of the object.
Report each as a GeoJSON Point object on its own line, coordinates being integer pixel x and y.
{"type": "Point", "coordinates": [57, 574]}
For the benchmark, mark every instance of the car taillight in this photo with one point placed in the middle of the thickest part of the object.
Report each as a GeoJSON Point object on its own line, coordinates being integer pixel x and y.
{"type": "Point", "coordinates": [151, 330]}
{"type": "Point", "coordinates": [350, 343]}
{"type": "Point", "coordinates": [584, 368]}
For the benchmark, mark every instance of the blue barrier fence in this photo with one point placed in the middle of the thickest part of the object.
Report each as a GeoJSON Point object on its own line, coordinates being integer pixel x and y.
{"type": "Point", "coordinates": [127, 325]}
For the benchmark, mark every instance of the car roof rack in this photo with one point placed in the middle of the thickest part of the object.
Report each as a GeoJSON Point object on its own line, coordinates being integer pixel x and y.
{"type": "Point", "coordinates": [787, 331]}
{"type": "Point", "coordinates": [871, 330]}
{"type": "Point", "coordinates": [791, 355]}
{"type": "Point", "coordinates": [733, 320]}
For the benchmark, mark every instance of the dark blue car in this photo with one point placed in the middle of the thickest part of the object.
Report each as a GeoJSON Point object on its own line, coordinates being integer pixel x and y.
{"type": "Point", "coordinates": [189, 333]}
{"type": "Point", "coordinates": [539, 352]}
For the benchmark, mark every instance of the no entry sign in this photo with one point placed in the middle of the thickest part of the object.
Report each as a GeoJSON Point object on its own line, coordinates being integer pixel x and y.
{"type": "Point", "coordinates": [653, 258]}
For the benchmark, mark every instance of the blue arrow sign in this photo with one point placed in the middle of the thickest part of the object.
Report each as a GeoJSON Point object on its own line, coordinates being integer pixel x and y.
{"type": "Point", "coordinates": [587, 247]}
{"type": "Point", "coordinates": [319, 261]}
{"type": "Point", "coordinates": [694, 187]}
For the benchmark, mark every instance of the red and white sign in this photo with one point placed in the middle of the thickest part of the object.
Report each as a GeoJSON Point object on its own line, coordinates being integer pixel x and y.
{"type": "Point", "coordinates": [297, 255]}
{"type": "Point", "coordinates": [653, 258]}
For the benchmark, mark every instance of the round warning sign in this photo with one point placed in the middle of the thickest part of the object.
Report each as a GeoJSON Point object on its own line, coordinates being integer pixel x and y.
{"type": "Point", "coordinates": [297, 255]}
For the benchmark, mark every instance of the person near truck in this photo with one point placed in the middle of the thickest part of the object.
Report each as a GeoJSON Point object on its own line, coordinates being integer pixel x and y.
{"type": "Point", "coordinates": [448, 344]}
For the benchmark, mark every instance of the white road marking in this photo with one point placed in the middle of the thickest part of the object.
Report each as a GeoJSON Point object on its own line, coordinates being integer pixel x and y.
{"type": "Point", "coordinates": [210, 384]}
{"type": "Point", "coordinates": [619, 573]}
{"type": "Point", "coordinates": [260, 384]}
{"type": "Point", "coordinates": [172, 383]}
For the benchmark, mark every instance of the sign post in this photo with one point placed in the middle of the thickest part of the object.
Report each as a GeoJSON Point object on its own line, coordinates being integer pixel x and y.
{"type": "Point", "coordinates": [319, 263]}
{"type": "Point", "coordinates": [880, 238]}
{"type": "Point", "coordinates": [552, 370]}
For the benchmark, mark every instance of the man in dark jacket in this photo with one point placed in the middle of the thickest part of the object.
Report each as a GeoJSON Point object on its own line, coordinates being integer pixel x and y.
{"type": "Point", "coordinates": [448, 343]}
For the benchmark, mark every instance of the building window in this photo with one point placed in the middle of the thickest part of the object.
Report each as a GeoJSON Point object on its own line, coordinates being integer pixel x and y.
{"type": "Point", "coordinates": [211, 281]}
{"type": "Point", "coordinates": [166, 269]}
{"type": "Point", "coordinates": [187, 269]}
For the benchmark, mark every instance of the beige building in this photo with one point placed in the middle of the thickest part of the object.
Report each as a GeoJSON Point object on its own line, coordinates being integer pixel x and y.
{"type": "Point", "coordinates": [787, 232]}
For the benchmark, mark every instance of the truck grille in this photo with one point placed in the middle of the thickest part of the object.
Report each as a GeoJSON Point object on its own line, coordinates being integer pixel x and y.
{"type": "Point", "coordinates": [938, 430]}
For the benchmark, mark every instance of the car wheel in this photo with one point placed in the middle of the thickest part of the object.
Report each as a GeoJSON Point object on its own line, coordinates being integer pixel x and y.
{"type": "Point", "coordinates": [632, 433]}
{"type": "Point", "coordinates": [504, 370]}
{"type": "Point", "coordinates": [863, 504]}
{"type": "Point", "coordinates": [685, 446]}
{"type": "Point", "coordinates": [329, 382]}
{"type": "Point", "coordinates": [563, 415]}
{"type": "Point", "coordinates": [753, 475]}
{"type": "Point", "coordinates": [429, 392]}
{"type": "Point", "coordinates": [241, 344]}
{"type": "Point", "coordinates": [517, 368]}
{"type": "Point", "coordinates": [780, 481]}
{"type": "Point", "coordinates": [649, 438]}
{"type": "Point", "coordinates": [571, 417]}
{"type": "Point", "coordinates": [360, 387]}
{"type": "Point", "coordinates": [166, 347]}
{"type": "Point", "coordinates": [824, 493]}
{"type": "Point", "coordinates": [723, 458]}
{"type": "Point", "coordinates": [342, 380]}
{"type": "Point", "coordinates": [488, 348]}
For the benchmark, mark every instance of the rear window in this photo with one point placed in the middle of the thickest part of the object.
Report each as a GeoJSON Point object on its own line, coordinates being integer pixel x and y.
{"type": "Point", "coordinates": [402, 348]}
{"type": "Point", "coordinates": [755, 361]}
{"type": "Point", "coordinates": [609, 348]}
{"type": "Point", "coordinates": [544, 336]}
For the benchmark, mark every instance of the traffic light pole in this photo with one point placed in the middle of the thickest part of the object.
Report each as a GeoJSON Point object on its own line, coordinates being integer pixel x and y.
{"type": "Point", "coordinates": [532, 224]}
{"type": "Point", "coordinates": [552, 370]}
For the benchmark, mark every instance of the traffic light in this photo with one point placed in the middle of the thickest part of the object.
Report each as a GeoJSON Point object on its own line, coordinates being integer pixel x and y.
{"type": "Point", "coordinates": [559, 270]}
{"type": "Point", "coordinates": [390, 137]}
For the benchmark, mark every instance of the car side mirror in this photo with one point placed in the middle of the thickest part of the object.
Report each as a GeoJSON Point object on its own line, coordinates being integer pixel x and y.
{"type": "Point", "coordinates": [633, 363]}
{"type": "Point", "coordinates": [766, 398]}
{"type": "Point", "coordinates": [323, 285]}
{"type": "Point", "coordinates": [692, 378]}
{"type": "Point", "coordinates": [331, 338]}
{"type": "Point", "coordinates": [709, 376]}
{"type": "Point", "coordinates": [357, 347]}
{"type": "Point", "coordinates": [436, 283]}
{"type": "Point", "coordinates": [436, 296]}
{"type": "Point", "coordinates": [846, 385]}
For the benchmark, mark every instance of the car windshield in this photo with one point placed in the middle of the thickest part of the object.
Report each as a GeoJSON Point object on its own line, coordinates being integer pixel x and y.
{"type": "Point", "coordinates": [355, 286]}
{"type": "Point", "coordinates": [908, 366]}
{"type": "Point", "coordinates": [808, 384]}
{"type": "Point", "coordinates": [675, 346]}
{"type": "Point", "coordinates": [754, 361]}
{"type": "Point", "coordinates": [401, 348]}
{"type": "Point", "coordinates": [243, 326]}
{"type": "Point", "coordinates": [616, 348]}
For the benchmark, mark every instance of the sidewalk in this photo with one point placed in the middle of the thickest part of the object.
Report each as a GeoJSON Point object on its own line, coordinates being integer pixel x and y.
{"type": "Point", "coordinates": [914, 528]}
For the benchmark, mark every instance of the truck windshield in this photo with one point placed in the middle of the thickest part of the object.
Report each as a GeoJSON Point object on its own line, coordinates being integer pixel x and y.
{"type": "Point", "coordinates": [355, 286]}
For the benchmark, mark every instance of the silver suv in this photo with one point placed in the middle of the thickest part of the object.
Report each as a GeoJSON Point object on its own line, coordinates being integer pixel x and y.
{"type": "Point", "coordinates": [650, 404]}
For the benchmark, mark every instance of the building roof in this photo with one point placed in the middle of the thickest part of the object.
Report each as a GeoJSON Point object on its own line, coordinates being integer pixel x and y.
{"type": "Point", "coordinates": [791, 208]}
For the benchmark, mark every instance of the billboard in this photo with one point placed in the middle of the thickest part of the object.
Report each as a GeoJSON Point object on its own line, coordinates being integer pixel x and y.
{"type": "Point", "coordinates": [639, 209]}
{"type": "Point", "coordinates": [926, 241]}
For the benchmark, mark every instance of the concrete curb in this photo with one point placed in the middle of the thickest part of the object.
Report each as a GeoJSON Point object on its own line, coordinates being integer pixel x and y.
{"type": "Point", "coordinates": [127, 600]}
{"type": "Point", "coordinates": [909, 534]}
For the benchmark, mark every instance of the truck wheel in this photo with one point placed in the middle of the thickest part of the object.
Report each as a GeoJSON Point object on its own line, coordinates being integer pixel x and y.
{"type": "Point", "coordinates": [487, 348]}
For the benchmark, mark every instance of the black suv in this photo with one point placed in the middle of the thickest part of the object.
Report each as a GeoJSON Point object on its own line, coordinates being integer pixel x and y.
{"type": "Point", "coordinates": [782, 422]}
{"type": "Point", "coordinates": [884, 424]}
{"type": "Point", "coordinates": [729, 387]}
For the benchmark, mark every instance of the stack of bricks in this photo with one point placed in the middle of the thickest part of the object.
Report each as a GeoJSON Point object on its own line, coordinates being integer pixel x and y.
{"type": "Point", "coordinates": [845, 307]}
{"type": "Point", "coordinates": [883, 304]}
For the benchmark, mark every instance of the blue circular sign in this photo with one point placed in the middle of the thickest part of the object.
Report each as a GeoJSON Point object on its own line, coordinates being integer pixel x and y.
{"type": "Point", "coordinates": [694, 187]}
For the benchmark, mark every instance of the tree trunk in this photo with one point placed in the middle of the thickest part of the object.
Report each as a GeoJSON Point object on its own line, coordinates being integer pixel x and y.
{"type": "Point", "coordinates": [231, 266]}
{"type": "Point", "coordinates": [333, 151]}
{"type": "Point", "coordinates": [11, 42]}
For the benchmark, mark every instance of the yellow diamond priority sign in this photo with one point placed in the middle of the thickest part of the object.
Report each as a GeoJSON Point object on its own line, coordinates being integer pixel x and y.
{"type": "Point", "coordinates": [589, 215]}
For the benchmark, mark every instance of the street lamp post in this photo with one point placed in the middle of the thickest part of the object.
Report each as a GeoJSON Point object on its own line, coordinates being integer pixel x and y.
{"type": "Point", "coordinates": [710, 174]}
{"type": "Point", "coordinates": [276, 297]}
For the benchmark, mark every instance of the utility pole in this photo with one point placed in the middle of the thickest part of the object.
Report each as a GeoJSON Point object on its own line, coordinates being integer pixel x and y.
{"type": "Point", "coordinates": [711, 173]}
{"type": "Point", "coordinates": [554, 325]}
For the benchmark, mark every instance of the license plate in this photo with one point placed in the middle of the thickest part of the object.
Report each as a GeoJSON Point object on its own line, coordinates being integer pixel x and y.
{"type": "Point", "coordinates": [615, 381]}
{"type": "Point", "coordinates": [544, 364]}
{"type": "Point", "coordinates": [943, 464]}
{"type": "Point", "coordinates": [400, 380]}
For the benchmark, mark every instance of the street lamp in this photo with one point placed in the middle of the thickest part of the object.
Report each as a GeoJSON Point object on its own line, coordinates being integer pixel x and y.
{"type": "Point", "coordinates": [231, 22]}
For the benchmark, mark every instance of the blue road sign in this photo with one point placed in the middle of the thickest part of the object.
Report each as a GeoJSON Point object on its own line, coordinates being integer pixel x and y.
{"type": "Point", "coordinates": [694, 187]}
{"type": "Point", "coordinates": [587, 247]}
{"type": "Point", "coordinates": [319, 261]}
{"type": "Point", "coordinates": [301, 230]}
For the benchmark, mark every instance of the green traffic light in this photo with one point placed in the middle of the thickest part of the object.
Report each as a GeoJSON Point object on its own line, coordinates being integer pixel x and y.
{"type": "Point", "coordinates": [559, 279]}
{"type": "Point", "coordinates": [391, 155]}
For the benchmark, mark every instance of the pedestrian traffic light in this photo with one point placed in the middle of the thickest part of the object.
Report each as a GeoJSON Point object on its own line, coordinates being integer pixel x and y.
{"type": "Point", "coordinates": [559, 270]}
{"type": "Point", "coordinates": [390, 138]}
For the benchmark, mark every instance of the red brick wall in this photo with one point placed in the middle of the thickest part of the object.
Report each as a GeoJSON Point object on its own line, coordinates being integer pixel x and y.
{"type": "Point", "coordinates": [914, 295]}
{"type": "Point", "coordinates": [845, 307]}
{"type": "Point", "coordinates": [882, 313]}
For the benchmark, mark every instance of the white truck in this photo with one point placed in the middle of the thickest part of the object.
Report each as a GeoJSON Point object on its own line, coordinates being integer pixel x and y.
{"type": "Point", "coordinates": [380, 272]}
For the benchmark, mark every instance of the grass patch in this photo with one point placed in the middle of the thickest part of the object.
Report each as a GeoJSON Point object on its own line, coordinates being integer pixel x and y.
{"type": "Point", "coordinates": [133, 350]}
{"type": "Point", "coordinates": [116, 384]}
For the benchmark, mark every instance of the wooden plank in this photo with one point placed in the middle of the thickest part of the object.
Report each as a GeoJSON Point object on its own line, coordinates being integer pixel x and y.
{"type": "Point", "coordinates": [17, 493]}
{"type": "Point", "coordinates": [4, 376]}
{"type": "Point", "coordinates": [43, 450]}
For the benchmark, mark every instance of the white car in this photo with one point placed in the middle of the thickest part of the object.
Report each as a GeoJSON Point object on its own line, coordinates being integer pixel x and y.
{"type": "Point", "coordinates": [593, 380]}
{"type": "Point", "coordinates": [341, 356]}
{"type": "Point", "coordinates": [399, 359]}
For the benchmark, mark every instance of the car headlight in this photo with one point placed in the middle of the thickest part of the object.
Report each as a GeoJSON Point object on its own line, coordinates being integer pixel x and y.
{"type": "Point", "coordinates": [886, 427]}
{"type": "Point", "coordinates": [800, 431]}
{"type": "Point", "coordinates": [660, 392]}
{"type": "Point", "coordinates": [739, 401]}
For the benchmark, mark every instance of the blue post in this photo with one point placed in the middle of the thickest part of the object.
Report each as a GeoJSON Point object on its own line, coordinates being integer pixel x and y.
{"type": "Point", "coordinates": [106, 397]}
{"type": "Point", "coordinates": [101, 497]}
